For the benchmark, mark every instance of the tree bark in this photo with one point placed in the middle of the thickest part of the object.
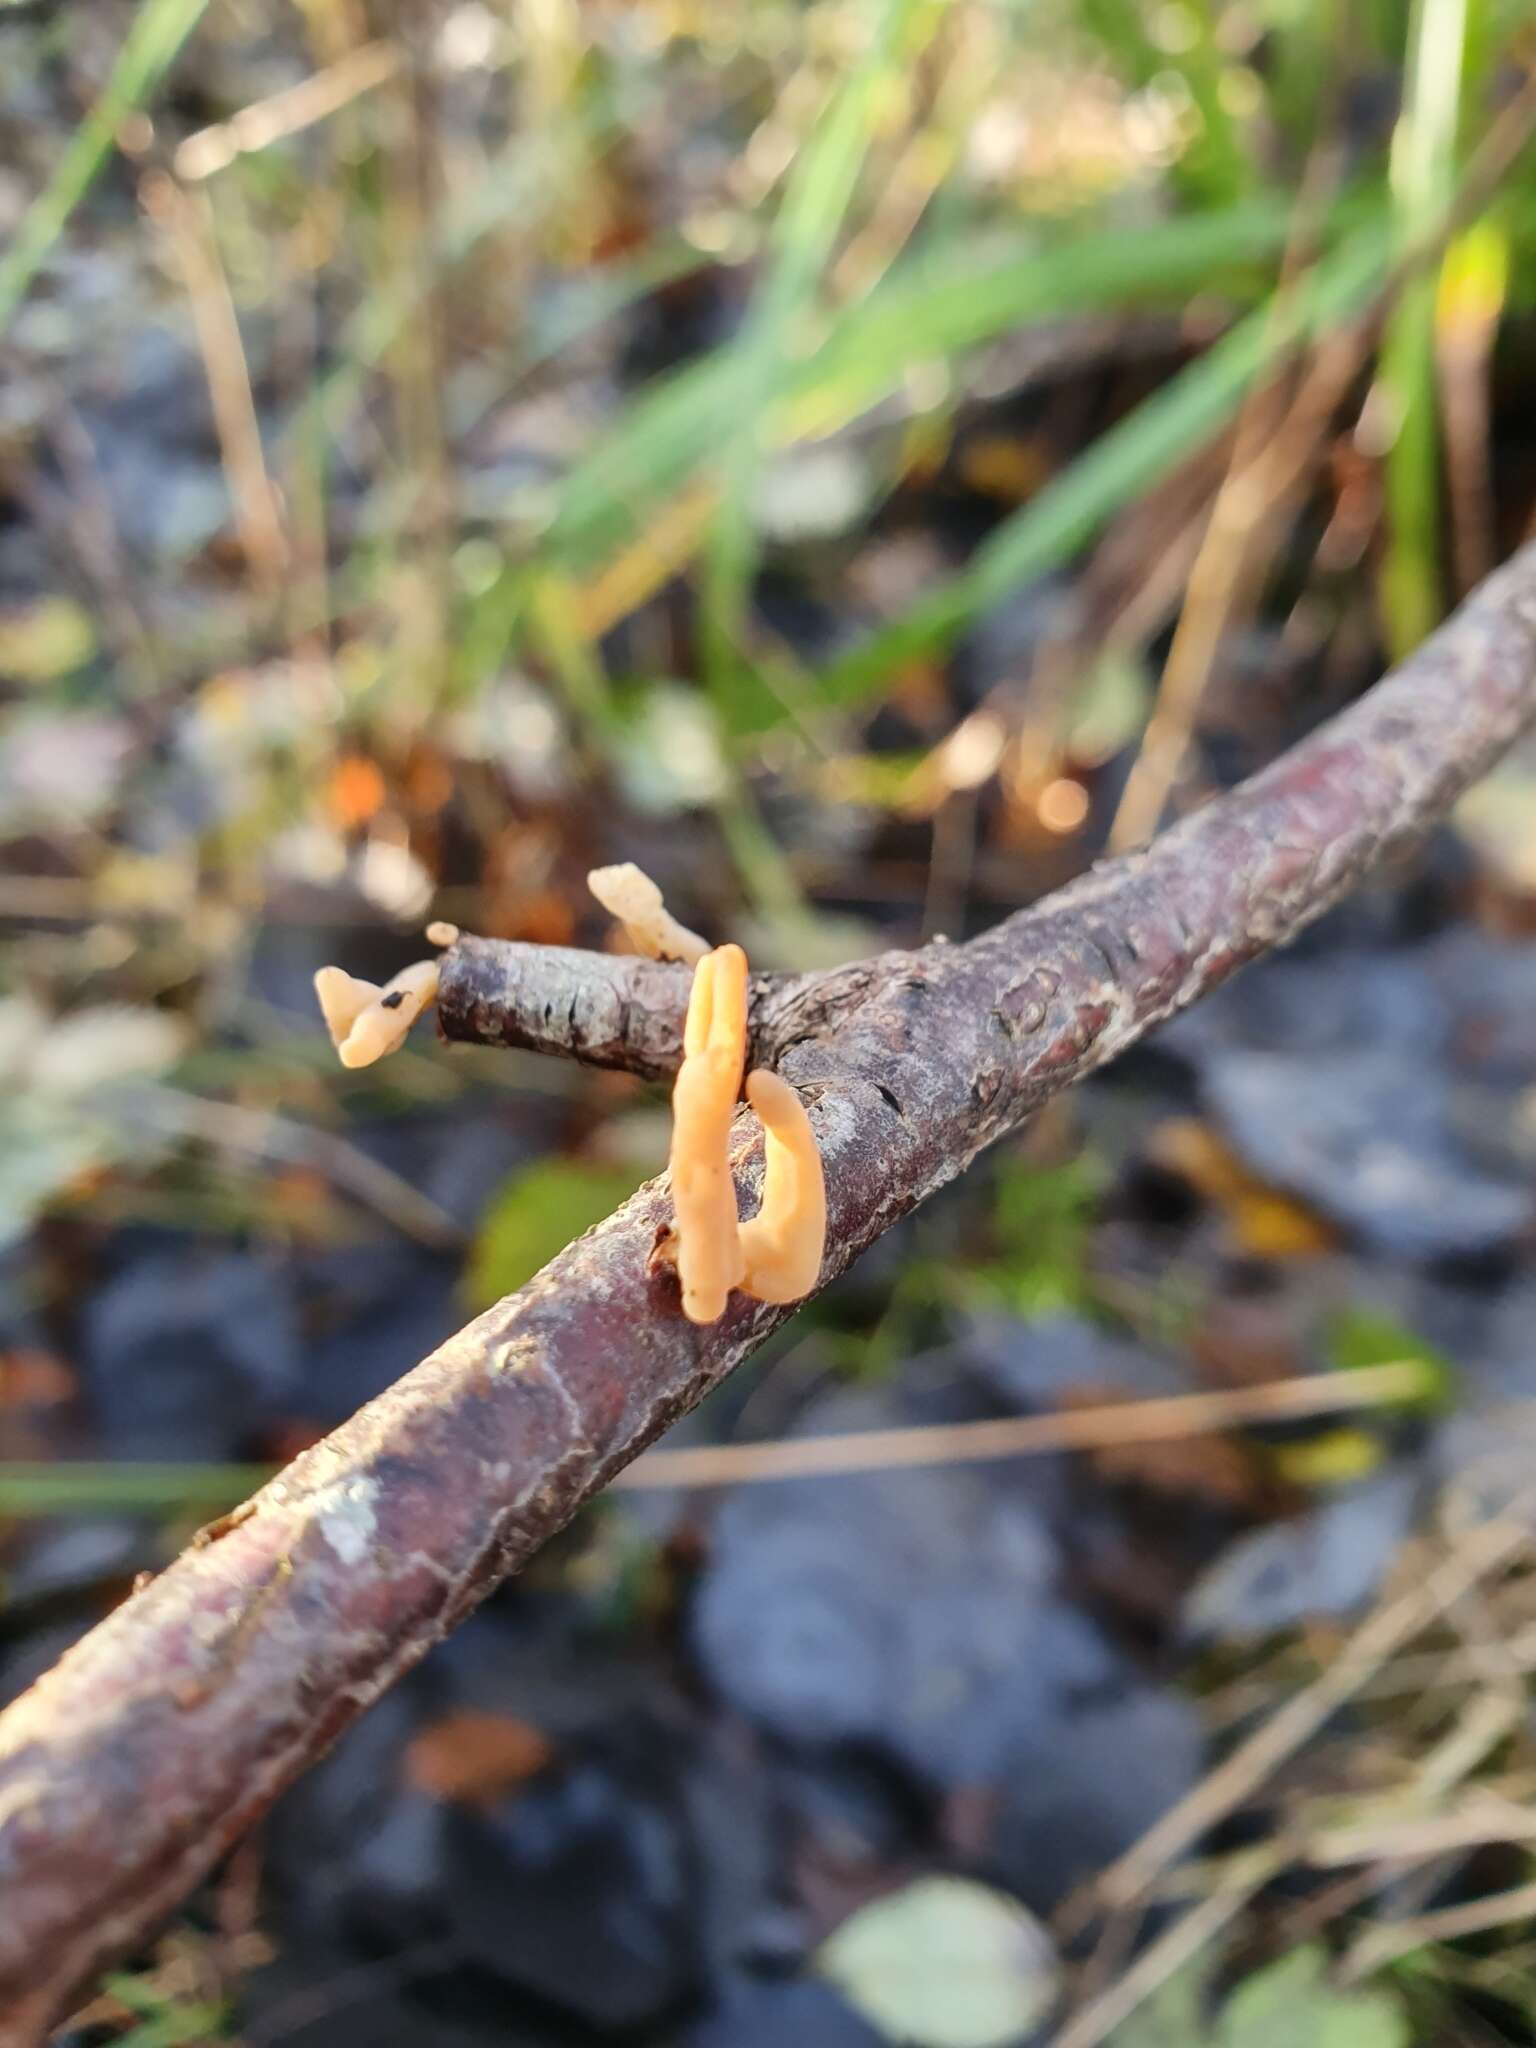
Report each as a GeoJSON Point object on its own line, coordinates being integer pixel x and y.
{"type": "Point", "coordinates": [128, 1769]}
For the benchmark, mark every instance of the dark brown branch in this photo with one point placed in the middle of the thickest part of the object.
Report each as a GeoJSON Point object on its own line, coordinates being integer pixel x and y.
{"type": "Point", "coordinates": [605, 1009]}
{"type": "Point", "coordinates": [127, 1770]}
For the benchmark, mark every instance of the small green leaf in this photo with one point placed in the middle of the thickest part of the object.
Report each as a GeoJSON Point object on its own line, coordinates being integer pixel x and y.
{"type": "Point", "coordinates": [1359, 1337]}
{"type": "Point", "coordinates": [1175, 2016]}
{"type": "Point", "coordinates": [1109, 707]}
{"type": "Point", "coordinates": [944, 1963]}
{"type": "Point", "coordinates": [44, 640]}
{"type": "Point", "coordinates": [1292, 2002]}
{"type": "Point", "coordinates": [537, 1213]}
{"type": "Point", "coordinates": [1041, 1230]}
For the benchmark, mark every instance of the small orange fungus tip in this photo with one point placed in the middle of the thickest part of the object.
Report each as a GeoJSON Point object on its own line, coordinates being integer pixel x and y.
{"type": "Point", "coordinates": [776, 1257]}
{"type": "Point", "coordinates": [628, 894]}
{"type": "Point", "coordinates": [366, 1021]}
{"type": "Point", "coordinates": [703, 1104]}
{"type": "Point", "coordinates": [357, 791]}
{"type": "Point", "coordinates": [1062, 805]}
{"type": "Point", "coordinates": [782, 1245]}
{"type": "Point", "coordinates": [974, 750]}
{"type": "Point", "coordinates": [343, 999]}
{"type": "Point", "coordinates": [441, 933]}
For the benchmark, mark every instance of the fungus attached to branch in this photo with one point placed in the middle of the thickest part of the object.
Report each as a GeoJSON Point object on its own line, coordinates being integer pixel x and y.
{"type": "Point", "coordinates": [708, 1250]}
{"type": "Point", "coordinates": [776, 1257]}
{"type": "Point", "coordinates": [783, 1243]}
{"type": "Point", "coordinates": [365, 1021]}
{"type": "Point", "coordinates": [628, 893]}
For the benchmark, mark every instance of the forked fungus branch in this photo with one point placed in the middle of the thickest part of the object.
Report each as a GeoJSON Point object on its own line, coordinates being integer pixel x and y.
{"type": "Point", "coordinates": [128, 1769]}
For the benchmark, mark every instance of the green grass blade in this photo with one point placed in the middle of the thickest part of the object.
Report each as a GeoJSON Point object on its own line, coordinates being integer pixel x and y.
{"type": "Point", "coordinates": [927, 311]}
{"type": "Point", "coordinates": [822, 185]}
{"type": "Point", "coordinates": [84, 1488]}
{"type": "Point", "coordinates": [936, 307]}
{"type": "Point", "coordinates": [1123, 463]}
{"type": "Point", "coordinates": [152, 46]}
{"type": "Point", "coordinates": [1215, 167]}
{"type": "Point", "coordinates": [1423, 180]}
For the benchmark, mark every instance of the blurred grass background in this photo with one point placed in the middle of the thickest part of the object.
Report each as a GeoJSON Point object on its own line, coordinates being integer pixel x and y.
{"type": "Point", "coordinates": [859, 458]}
{"type": "Point", "coordinates": [825, 451]}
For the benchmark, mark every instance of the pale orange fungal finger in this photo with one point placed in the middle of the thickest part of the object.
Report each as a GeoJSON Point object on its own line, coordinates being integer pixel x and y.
{"type": "Point", "coordinates": [701, 1008]}
{"type": "Point", "coordinates": [728, 1017]}
{"type": "Point", "coordinates": [380, 1024]}
{"type": "Point", "coordinates": [628, 894]}
{"type": "Point", "coordinates": [703, 1105]}
{"type": "Point", "coordinates": [783, 1244]}
{"type": "Point", "coordinates": [343, 999]}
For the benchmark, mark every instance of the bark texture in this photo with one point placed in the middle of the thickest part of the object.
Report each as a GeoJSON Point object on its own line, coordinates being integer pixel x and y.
{"type": "Point", "coordinates": [129, 1768]}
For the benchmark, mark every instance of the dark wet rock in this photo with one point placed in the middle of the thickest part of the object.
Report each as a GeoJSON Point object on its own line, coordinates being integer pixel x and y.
{"type": "Point", "coordinates": [894, 1610]}
{"type": "Point", "coordinates": [1484, 1456]}
{"type": "Point", "coordinates": [758, 2013]}
{"type": "Point", "coordinates": [23, 1663]}
{"type": "Point", "coordinates": [582, 1889]}
{"type": "Point", "coordinates": [1488, 986]}
{"type": "Point", "coordinates": [626, 1868]}
{"type": "Point", "coordinates": [321, 1831]}
{"type": "Point", "coordinates": [189, 1355]}
{"type": "Point", "coordinates": [316, 1995]}
{"type": "Point", "coordinates": [1328, 1562]}
{"type": "Point", "coordinates": [371, 1312]}
{"type": "Point", "coordinates": [854, 1809]}
{"type": "Point", "coordinates": [459, 1161]}
{"type": "Point", "coordinates": [68, 1560]}
{"type": "Point", "coordinates": [1339, 1003]}
{"type": "Point", "coordinates": [1365, 1138]}
{"type": "Point", "coordinates": [1002, 643]}
{"type": "Point", "coordinates": [1498, 1362]}
{"type": "Point", "coordinates": [915, 1617]}
{"type": "Point", "coordinates": [1083, 1783]}
{"type": "Point", "coordinates": [1037, 1365]}
{"type": "Point", "coordinates": [401, 1876]}
{"type": "Point", "coordinates": [534, 1657]}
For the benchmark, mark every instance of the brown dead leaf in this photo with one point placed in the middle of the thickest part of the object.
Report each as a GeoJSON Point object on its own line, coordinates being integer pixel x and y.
{"type": "Point", "coordinates": [1217, 1469]}
{"type": "Point", "coordinates": [1004, 467]}
{"type": "Point", "coordinates": [475, 1759]}
{"type": "Point", "coordinates": [1267, 1223]}
{"type": "Point", "coordinates": [427, 782]}
{"type": "Point", "coordinates": [1246, 1342]}
{"type": "Point", "coordinates": [34, 1379]}
{"type": "Point", "coordinates": [355, 792]}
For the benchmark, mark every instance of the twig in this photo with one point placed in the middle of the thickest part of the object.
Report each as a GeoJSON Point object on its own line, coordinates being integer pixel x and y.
{"type": "Point", "coordinates": [1483, 1817]}
{"type": "Point", "coordinates": [128, 1770]}
{"type": "Point", "coordinates": [1281, 424]}
{"type": "Point", "coordinates": [1252, 1762]}
{"type": "Point", "coordinates": [1276, 451]}
{"type": "Point", "coordinates": [287, 113]}
{"type": "Point", "coordinates": [188, 223]}
{"type": "Point", "coordinates": [1179, 1944]}
{"type": "Point", "coordinates": [971, 1443]}
{"type": "Point", "coordinates": [1261, 480]}
{"type": "Point", "coordinates": [1381, 1945]}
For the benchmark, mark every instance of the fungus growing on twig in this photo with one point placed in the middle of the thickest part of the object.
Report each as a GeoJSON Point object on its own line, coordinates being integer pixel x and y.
{"type": "Point", "coordinates": [628, 893]}
{"type": "Point", "coordinates": [366, 1021]}
{"type": "Point", "coordinates": [708, 1250]}
{"type": "Point", "coordinates": [783, 1243]}
{"type": "Point", "coordinates": [343, 999]}
{"type": "Point", "coordinates": [777, 1255]}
